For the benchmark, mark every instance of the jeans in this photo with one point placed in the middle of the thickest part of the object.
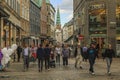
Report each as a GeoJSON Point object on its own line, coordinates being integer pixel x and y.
{"type": "Point", "coordinates": [58, 58]}
{"type": "Point", "coordinates": [109, 61]}
{"type": "Point", "coordinates": [65, 61]}
{"type": "Point", "coordinates": [47, 62]}
{"type": "Point", "coordinates": [18, 56]}
{"type": "Point", "coordinates": [91, 62]}
{"type": "Point", "coordinates": [40, 64]}
{"type": "Point", "coordinates": [26, 62]}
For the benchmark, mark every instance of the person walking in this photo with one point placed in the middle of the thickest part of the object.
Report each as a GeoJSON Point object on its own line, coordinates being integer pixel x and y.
{"type": "Point", "coordinates": [108, 55]}
{"type": "Point", "coordinates": [33, 53]}
{"type": "Point", "coordinates": [26, 53]}
{"type": "Point", "coordinates": [47, 57]}
{"type": "Point", "coordinates": [65, 55]}
{"type": "Point", "coordinates": [79, 58]}
{"type": "Point", "coordinates": [85, 54]}
{"type": "Point", "coordinates": [92, 56]}
{"type": "Point", "coordinates": [58, 52]}
{"type": "Point", "coordinates": [19, 50]}
{"type": "Point", "coordinates": [40, 57]}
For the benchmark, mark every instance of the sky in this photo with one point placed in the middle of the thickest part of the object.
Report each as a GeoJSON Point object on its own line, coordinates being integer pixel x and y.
{"type": "Point", "coordinates": [66, 9]}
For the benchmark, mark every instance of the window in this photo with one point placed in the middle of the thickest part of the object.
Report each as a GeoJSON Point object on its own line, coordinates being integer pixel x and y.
{"type": "Point", "coordinates": [17, 7]}
{"type": "Point", "coordinates": [11, 3]}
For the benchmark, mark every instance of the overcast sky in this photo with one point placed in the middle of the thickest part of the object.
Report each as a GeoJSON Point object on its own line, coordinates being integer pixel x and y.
{"type": "Point", "coordinates": [66, 9]}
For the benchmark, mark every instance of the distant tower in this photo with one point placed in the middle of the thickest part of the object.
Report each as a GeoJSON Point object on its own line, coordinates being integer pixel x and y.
{"type": "Point", "coordinates": [58, 32]}
{"type": "Point", "coordinates": [58, 22]}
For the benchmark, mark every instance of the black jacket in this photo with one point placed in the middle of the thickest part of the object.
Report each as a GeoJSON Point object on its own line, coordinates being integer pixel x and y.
{"type": "Point", "coordinates": [47, 52]}
{"type": "Point", "coordinates": [109, 53]}
{"type": "Point", "coordinates": [40, 53]}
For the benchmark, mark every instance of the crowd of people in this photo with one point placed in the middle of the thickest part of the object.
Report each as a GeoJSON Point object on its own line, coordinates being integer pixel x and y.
{"type": "Point", "coordinates": [49, 55]}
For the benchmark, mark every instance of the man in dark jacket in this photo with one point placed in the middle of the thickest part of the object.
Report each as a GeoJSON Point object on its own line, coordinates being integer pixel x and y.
{"type": "Point", "coordinates": [19, 51]}
{"type": "Point", "coordinates": [40, 56]}
{"type": "Point", "coordinates": [109, 54]}
{"type": "Point", "coordinates": [47, 57]}
{"type": "Point", "coordinates": [92, 56]}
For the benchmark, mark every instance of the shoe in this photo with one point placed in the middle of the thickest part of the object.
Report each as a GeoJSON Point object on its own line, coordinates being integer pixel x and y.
{"type": "Point", "coordinates": [81, 67]}
{"type": "Point", "coordinates": [75, 66]}
{"type": "Point", "coordinates": [48, 69]}
{"type": "Point", "coordinates": [109, 73]}
{"type": "Point", "coordinates": [93, 73]}
{"type": "Point", "coordinates": [90, 72]}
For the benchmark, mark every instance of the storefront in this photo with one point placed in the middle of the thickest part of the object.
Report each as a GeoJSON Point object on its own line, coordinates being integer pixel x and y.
{"type": "Point", "coordinates": [3, 15]}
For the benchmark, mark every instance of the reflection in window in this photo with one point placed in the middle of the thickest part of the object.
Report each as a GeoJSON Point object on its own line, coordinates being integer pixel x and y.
{"type": "Point", "coordinates": [118, 15]}
{"type": "Point", "coordinates": [97, 18]}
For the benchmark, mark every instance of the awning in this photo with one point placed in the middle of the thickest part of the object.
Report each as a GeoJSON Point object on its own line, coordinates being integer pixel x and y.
{"type": "Point", "coordinates": [69, 38]}
{"type": "Point", "coordinates": [3, 13]}
{"type": "Point", "coordinates": [27, 37]}
{"type": "Point", "coordinates": [18, 27]}
{"type": "Point", "coordinates": [98, 35]}
{"type": "Point", "coordinates": [43, 37]}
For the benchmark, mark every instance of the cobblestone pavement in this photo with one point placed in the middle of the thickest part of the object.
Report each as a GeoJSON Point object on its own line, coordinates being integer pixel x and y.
{"type": "Point", "coordinates": [15, 72]}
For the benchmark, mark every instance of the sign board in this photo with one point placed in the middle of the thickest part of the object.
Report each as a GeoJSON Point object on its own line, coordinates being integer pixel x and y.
{"type": "Point", "coordinates": [81, 37]}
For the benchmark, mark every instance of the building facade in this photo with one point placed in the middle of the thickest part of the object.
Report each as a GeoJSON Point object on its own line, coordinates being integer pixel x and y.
{"type": "Point", "coordinates": [34, 23]}
{"type": "Point", "coordinates": [65, 33]}
{"type": "Point", "coordinates": [10, 25]}
{"type": "Point", "coordinates": [96, 20]}
{"type": "Point", "coordinates": [50, 22]}
{"type": "Point", "coordinates": [68, 32]}
{"type": "Point", "coordinates": [43, 22]}
{"type": "Point", "coordinates": [25, 23]}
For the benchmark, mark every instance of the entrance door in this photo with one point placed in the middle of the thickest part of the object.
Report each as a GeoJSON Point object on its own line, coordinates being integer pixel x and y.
{"type": "Point", "coordinates": [100, 42]}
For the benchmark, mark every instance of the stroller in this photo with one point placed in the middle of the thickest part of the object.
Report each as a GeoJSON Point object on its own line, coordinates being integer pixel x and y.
{"type": "Point", "coordinates": [33, 57]}
{"type": "Point", "coordinates": [52, 60]}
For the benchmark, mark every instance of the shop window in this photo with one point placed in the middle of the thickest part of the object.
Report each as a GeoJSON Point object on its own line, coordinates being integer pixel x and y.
{"type": "Point", "coordinates": [118, 15]}
{"type": "Point", "coordinates": [97, 16]}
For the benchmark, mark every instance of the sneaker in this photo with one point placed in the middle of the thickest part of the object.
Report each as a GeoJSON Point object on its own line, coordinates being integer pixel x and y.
{"type": "Point", "coordinates": [109, 73]}
{"type": "Point", "coordinates": [93, 73]}
{"type": "Point", "coordinates": [90, 72]}
{"type": "Point", "coordinates": [48, 69]}
{"type": "Point", "coordinates": [39, 70]}
{"type": "Point", "coordinates": [81, 67]}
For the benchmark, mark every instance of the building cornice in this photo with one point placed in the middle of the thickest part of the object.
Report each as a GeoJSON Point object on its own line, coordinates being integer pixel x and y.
{"type": "Point", "coordinates": [11, 10]}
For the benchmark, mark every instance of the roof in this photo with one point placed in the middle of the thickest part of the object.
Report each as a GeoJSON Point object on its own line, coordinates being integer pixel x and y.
{"type": "Point", "coordinates": [58, 22]}
{"type": "Point", "coordinates": [39, 2]}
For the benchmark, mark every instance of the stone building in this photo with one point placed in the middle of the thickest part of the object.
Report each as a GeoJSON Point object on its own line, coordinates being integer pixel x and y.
{"type": "Point", "coordinates": [34, 23]}
{"type": "Point", "coordinates": [10, 26]}
{"type": "Point", "coordinates": [25, 23]}
{"type": "Point", "coordinates": [50, 22]}
{"type": "Point", "coordinates": [98, 21]}
{"type": "Point", "coordinates": [68, 32]}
